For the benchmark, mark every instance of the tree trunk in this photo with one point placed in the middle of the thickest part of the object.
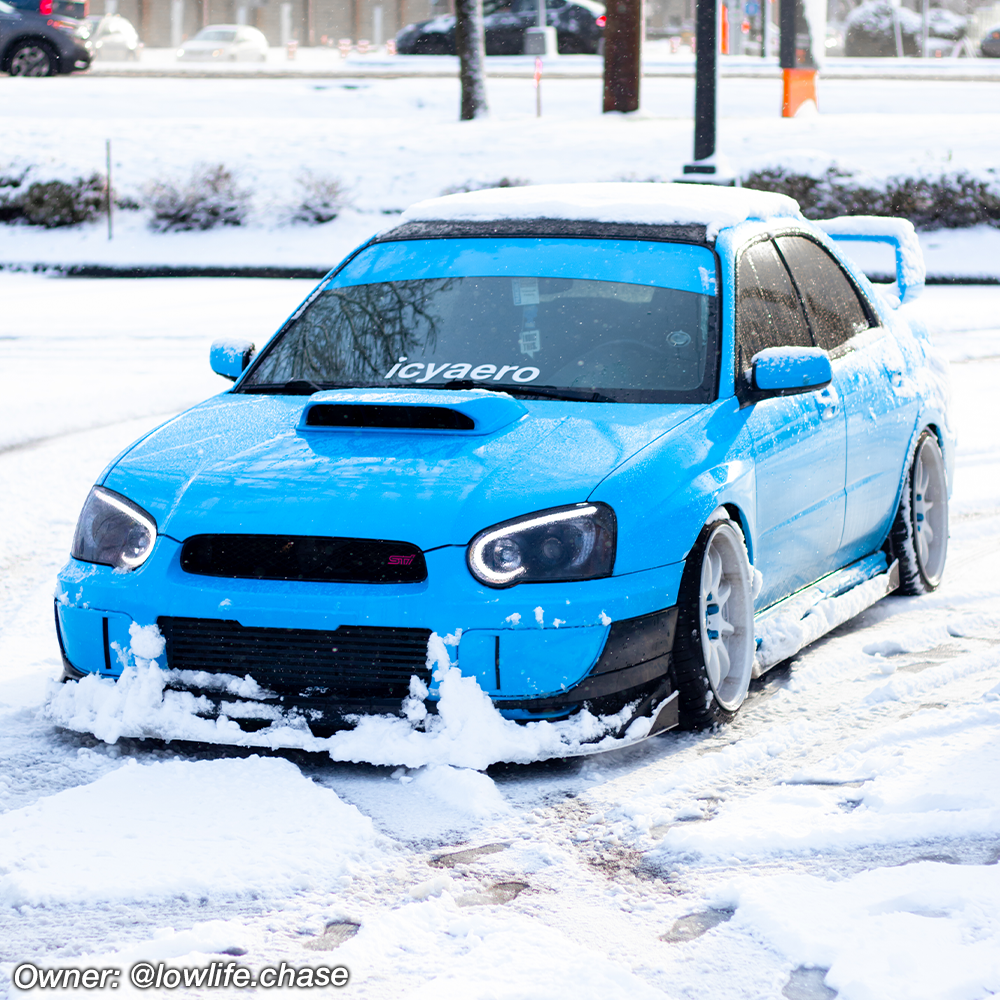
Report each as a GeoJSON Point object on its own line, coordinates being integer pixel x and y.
{"type": "Point", "coordinates": [622, 54]}
{"type": "Point", "coordinates": [470, 44]}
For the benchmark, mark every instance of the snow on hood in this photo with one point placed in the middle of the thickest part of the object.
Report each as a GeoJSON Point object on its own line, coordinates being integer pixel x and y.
{"type": "Point", "coordinates": [245, 459]}
{"type": "Point", "coordinates": [649, 204]}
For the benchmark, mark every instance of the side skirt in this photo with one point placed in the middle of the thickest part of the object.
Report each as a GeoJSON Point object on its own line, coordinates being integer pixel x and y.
{"type": "Point", "coordinates": [792, 624]}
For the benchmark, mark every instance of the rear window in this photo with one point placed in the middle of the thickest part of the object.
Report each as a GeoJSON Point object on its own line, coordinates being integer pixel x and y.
{"type": "Point", "coordinates": [619, 321]}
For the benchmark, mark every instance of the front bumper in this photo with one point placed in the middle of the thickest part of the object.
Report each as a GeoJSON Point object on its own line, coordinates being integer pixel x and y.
{"type": "Point", "coordinates": [538, 650]}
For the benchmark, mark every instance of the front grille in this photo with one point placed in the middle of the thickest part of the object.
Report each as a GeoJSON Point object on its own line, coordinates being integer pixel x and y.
{"type": "Point", "coordinates": [303, 557]}
{"type": "Point", "coordinates": [356, 667]}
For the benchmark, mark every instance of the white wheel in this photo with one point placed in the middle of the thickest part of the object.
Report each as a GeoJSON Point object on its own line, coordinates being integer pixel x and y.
{"type": "Point", "coordinates": [714, 649]}
{"type": "Point", "coordinates": [919, 538]}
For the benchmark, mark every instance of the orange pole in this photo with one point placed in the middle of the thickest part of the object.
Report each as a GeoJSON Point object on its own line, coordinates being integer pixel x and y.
{"type": "Point", "coordinates": [799, 87]}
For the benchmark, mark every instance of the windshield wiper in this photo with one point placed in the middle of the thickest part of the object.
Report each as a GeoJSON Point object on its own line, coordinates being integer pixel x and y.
{"type": "Point", "coordinates": [306, 387]}
{"type": "Point", "coordinates": [293, 387]}
{"type": "Point", "coordinates": [530, 391]}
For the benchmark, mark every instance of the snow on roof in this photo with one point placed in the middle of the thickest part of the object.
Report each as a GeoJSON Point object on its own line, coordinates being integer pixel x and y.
{"type": "Point", "coordinates": [709, 205]}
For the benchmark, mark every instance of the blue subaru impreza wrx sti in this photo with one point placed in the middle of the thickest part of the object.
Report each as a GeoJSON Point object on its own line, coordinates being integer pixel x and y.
{"type": "Point", "coordinates": [626, 446]}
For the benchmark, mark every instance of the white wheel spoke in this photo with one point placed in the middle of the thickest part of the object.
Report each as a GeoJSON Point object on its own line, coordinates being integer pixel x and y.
{"type": "Point", "coordinates": [715, 561]}
{"type": "Point", "coordinates": [712, 666]}
{"type": "Point", "coordinates": [723, 661]}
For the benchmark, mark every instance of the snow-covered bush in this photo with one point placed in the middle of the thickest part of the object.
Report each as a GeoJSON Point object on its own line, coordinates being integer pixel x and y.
{"type": "Point", "coordinates": [320, 199]}
{"type": "Point", "coordinates": [51, 203]}
{"type": "Point", "coordinates": [870, 28]}
{"type": "Point", "coordinates": [10, 194]}
{"type": "Point", "coordinates": [504, 182]}
{"type": "Point", "coordinates": [210, 198]}
{"type": "Point", "coordinates": [949, 201]}
{"type": "Point", "coordinates": [58, 203]}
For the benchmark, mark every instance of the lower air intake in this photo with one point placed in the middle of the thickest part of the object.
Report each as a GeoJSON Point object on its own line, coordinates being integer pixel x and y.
{"type": "Point", "coordinates": [354, 668]}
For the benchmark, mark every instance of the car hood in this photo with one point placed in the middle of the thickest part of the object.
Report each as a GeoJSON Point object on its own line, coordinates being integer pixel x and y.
{"type": "Point", "coordinates": [242, 463]}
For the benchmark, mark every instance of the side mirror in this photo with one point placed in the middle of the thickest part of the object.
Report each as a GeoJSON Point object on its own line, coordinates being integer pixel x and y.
{"type": "Point", "coordinates": [787, 371]}
{"type": "Point", "coordinates": [229, 358]}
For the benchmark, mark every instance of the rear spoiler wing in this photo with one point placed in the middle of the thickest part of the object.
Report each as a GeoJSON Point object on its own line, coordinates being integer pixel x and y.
{"type": "Point", "coordinates": [898, 233]}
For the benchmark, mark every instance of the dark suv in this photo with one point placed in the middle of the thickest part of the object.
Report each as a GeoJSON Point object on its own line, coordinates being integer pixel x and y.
{"type": "Point", "coordinates": [35, 44]}
{"type": "Point", "coordinates": [579, 27]}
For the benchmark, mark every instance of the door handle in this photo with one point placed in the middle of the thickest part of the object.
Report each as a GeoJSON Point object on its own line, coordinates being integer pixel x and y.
{"type": "Point", "coordinates": [828, 403]}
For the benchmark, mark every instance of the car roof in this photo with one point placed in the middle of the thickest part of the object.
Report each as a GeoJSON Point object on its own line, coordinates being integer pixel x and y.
{"type": "Point", "coordinates": [707, 208]}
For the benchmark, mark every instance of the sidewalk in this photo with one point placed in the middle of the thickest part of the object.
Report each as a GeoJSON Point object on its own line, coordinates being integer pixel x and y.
{"type": "Point", "coordinates": [658, 61]}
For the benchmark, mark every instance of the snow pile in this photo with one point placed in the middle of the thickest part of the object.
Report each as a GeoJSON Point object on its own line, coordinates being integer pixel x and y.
{"type": "Point", "coordinates": [482, 954]}
{"type": "Point", "coordinates": [467, 731]}
{"type": "Point", "coordinates": [926, 931]}
{"type": "Point", "coordinates": [229, 828]}
{"type": "Point", "coordinates": [935, 774]}
{"type": "Point", "coordinates": [781, 636]}
{"type": "Point", "coordinates": [649, 204]}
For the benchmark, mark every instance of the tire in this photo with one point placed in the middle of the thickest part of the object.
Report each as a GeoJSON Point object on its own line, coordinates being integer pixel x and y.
{"type": "Point", "coordinates": [33, 57]}
{"type": "Point", "coordinates": [714, 647]}
{"type": "Point", "coordinates": [919, 536]}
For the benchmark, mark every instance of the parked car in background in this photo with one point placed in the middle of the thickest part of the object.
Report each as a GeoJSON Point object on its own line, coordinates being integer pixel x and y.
{"type": "Point", "coordinates": [619, 447]}
{"type": "Point", "coordinates": [114, 38]}
{"type": "Point", "coordinates": [33, 44]}
{"type": "Point", "coordinates": [579, 27]}
{"type": "Point", "coordinates": [78, 9]}
{"type": "Point", "coordinates": [870, 29]}
{"type": "Point", "coordinates": [990, 45]}
{"type": "Point", "coordinates": [225, 43]}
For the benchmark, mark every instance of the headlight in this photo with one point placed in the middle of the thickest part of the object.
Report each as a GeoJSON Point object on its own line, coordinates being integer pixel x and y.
{"type": "Point", "coordinates": [113, 531]}
{"type": "Point", "coordinates": [564, 543]}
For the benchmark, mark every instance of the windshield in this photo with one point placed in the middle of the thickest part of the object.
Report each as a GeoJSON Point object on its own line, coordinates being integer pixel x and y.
{"type": "Point", "coordinates": [215, 35]}
{"type": "Point", "coordinates": [623, 321]}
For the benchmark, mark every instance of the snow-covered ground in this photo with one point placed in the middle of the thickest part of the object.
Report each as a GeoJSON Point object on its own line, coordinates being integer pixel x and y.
{"type": "Point", "coordinates": [396, 141]}
{"type": "Point", "coordinates": [843, 835]}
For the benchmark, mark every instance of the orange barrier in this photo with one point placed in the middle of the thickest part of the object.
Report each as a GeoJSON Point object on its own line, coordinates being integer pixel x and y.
{"type": "Point", "coordinates": [799, 87]}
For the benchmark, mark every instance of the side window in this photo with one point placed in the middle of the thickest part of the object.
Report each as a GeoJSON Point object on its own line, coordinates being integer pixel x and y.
{"type": "Point", "coordinates": [835, 312]}
{"type": "Point", "coordinates": [768, 312]}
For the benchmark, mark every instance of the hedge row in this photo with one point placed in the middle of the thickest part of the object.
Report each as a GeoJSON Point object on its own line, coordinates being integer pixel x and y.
{"type": "Point", "coordinates": [212, 197]}
{"type": "Point", "coordinates": [209, 198]}
{"type": "Point", "coordinates": [950, 201]}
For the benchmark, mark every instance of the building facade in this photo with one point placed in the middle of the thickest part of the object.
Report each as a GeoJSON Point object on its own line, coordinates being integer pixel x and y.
{"type": "Point", "coordinates": [163, 23]}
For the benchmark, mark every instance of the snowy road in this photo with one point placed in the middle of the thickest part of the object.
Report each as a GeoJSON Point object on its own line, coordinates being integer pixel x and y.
{"type": "Point", "coordinates": [849, 821]}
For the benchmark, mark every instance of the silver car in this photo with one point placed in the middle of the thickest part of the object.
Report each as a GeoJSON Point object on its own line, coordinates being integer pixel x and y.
{"type": "Point", "coordinates": [225, 43]}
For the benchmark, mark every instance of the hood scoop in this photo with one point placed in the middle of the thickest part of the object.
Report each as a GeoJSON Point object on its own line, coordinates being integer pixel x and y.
{"type": "Point", "coordinates": [474, 411]}
{"type": "Point", "coordinates": [411, 418]}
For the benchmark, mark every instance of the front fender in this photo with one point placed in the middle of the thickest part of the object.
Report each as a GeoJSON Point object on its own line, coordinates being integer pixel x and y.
{"type": "Point", "coordinates": [665, 493]}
